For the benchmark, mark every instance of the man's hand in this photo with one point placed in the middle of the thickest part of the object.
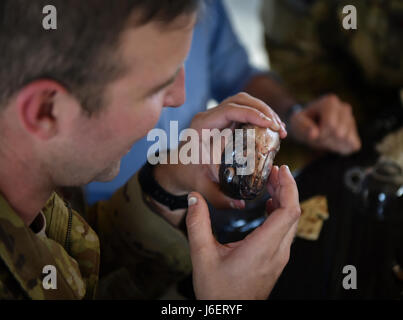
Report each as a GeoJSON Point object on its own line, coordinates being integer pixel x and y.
{"type": "Point", "coordinates": [246, 269]}
{"type": "Point", "coordinates": [327, 123]}
{"type": "Point", "coordinates": [242, 108]}
{"type": "Point", "coordinates": [203, 178]}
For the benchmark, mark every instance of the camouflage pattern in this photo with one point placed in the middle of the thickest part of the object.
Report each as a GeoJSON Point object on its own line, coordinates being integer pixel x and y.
{"type": "Point", "coordinates": [24, 254]}
{"type": "Point", "coordinates": [314, 54]}
{"type": "Point", "coordinates": [141, 254]}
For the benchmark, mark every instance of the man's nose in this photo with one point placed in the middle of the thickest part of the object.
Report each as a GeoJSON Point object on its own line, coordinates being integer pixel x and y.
{"type": "Point", "coordinates": [176, 95]}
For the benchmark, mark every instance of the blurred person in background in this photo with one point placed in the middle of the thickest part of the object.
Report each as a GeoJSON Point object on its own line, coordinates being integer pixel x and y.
{"type": "Point", "coordinates": [314, 54]}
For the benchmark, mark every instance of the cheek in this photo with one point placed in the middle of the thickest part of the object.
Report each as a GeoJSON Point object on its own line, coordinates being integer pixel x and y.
{"type": "Point", "coordinates": [139, 121]}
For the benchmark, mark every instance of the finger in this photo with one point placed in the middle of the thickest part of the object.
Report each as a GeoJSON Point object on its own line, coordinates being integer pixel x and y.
{"type": "Point", "coordinates": [288, 191]}
{"type": "Point", "coordinates": [223, 116]}
{"type": "Point", "coordinates": [305, 127]}
{"type": "Point", "coordinates": [280, 221]}
{"type": "Point", "coordinates": [333, 144]}
{"type": "Point", "coordinates": [347, 124]}
{"type": "Point", "coordinates": [246, 99]}
{"type": "Point", "coordinates": [201, 238]}
{"type": "Point", "coordinates": [341, 130]}
{"type": "Point", "coordinates": [353, 136]}
{"type": "Point", "coordinates": [273, 181]}
{"type": "Point", "coordinates": [273, 184]}
{"type": "Point", "coordinates": [326, 109]}
{"type": "Point", "coordinates": [347, 143]}
{"type": "Point", "coordinates": [344, 140]}
{"type": "Point", "coordinates": [334, 126]}
{"type": "Point", "coordinates": [328, 122]}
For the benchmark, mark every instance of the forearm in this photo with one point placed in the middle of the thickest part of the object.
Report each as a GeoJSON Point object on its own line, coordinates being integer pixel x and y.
{"type": "Point", "coordinates": [269, 90]}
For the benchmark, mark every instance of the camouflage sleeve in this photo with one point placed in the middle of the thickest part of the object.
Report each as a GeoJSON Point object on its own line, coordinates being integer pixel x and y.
{"type": "Point", "coordinates": [314, 54]}
{"type": "Point", "coordinates": [294, 32]}
{"type": "Point", "coordinates": [141, 253]}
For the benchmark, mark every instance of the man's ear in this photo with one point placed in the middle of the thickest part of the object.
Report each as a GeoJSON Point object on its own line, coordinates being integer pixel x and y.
{"type": "Point", "coordinates": [35, 104]}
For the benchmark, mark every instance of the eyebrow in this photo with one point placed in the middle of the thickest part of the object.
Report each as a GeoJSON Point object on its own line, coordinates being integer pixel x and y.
{"type": "Point", "coordinates": [164, 84]}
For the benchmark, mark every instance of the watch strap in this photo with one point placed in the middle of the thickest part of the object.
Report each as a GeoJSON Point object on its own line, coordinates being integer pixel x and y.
{"type": "Point", "coordinates": [152, 188]}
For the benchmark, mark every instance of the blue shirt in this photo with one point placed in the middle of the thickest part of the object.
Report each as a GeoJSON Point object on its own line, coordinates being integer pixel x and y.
{"type": "Point", "coordinates": [216, 68]}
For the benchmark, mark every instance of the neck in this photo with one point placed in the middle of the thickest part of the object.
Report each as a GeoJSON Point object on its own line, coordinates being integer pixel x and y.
{"type": "Point", "coordinates": [24, 187]}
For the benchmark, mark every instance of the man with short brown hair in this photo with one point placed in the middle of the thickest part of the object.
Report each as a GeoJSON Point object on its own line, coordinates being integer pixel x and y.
{"type": "Point", "coordinates": [75, 101]}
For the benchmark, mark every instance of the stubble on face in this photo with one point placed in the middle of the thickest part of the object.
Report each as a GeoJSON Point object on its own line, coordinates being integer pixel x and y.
{"type": "Point", "coordinates": [98, 143]}
{"type": "Point", "coordinates": [109, 173]}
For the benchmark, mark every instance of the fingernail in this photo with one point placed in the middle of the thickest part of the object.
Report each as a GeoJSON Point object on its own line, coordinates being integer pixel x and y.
{"type": "Point", "coordinates": [284, 126]}
{"type": "Point", "coordinates": [192, 201]}
{"type": "Point", "coordinates": [262, 115]}
{"type": "Point", "coordinates": [232, 205]}
{"type": "Point", "coordinates": [275, 125]}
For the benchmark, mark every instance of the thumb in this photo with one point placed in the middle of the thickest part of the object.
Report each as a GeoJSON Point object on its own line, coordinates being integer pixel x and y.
{"type": "Point", "coordinates": [201, 238]}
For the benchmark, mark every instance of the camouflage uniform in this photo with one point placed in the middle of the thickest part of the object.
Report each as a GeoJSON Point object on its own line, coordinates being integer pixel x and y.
{"type": "Point", "coordinates": [141, 254]}
{"type": "Point", "coordinates": [314, 54]}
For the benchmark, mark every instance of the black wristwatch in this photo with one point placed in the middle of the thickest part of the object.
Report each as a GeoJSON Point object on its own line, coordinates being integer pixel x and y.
{"type": "Point", "coordinates": [151, 187]}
